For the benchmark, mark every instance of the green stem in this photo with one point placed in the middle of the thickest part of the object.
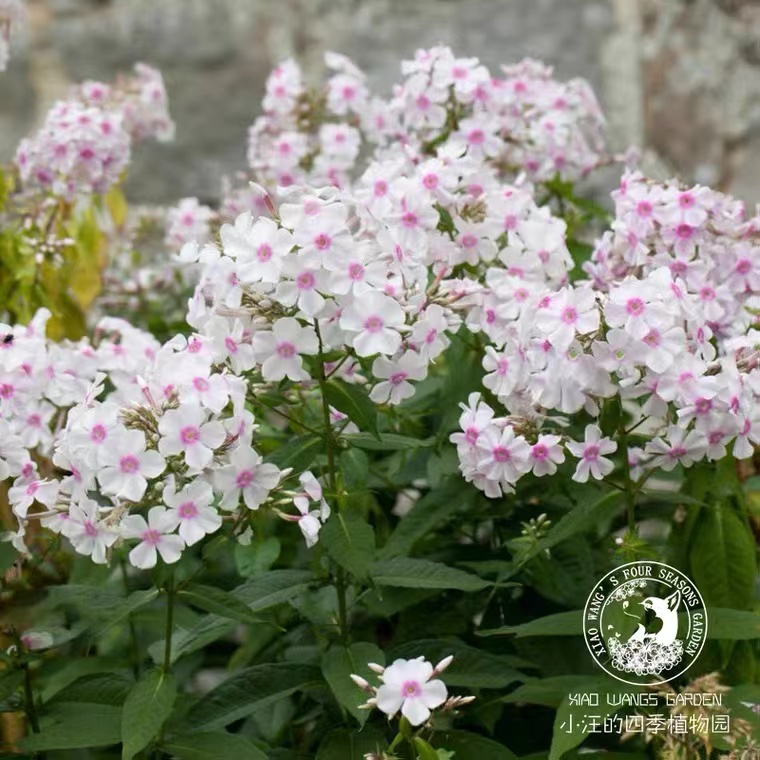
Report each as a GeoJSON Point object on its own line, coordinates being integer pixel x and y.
{"type": "Point", "coordinates": [170, 593]}
{"type": "Point", "coordinates": [328, 431]}
{"type": "Point", "coordinates": [289, 418]}
{"type": "Point", "coordinates": [135, 646]}
{"type": "Point", "coordinates": [340, 579]}
{"type": "Point", "coordinates": [630, 496]}
{"type": "Point", "coordinates": [31, 708]}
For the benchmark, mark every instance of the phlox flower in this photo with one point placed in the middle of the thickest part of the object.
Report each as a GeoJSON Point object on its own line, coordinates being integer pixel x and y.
{"type": "Point", "coordinates": [504, 457]}
{"type": "Point", "coordinates": [156, 537]}
{"type": "Point", "coordinates": [407, 686]}
{"type": "Point", "coordinates": [376, 319]}
{"type": "Point", "coordinates": [311, 520]}
{"type": "Point", "coordinates": [591, 454]}
{"type": "Point", "coordinates": [279, 351]}
{"type": "Point", "coordinates": [395, 374]}
{"type": "Point", "coordinates": [127, 466]}
{"type": "Point", "coordinates": [87, 532]}
{"type": "Point", "coordinates": [545, 454]}
{"type": "Point", "coordinates": [192, 510]}
{"type": "Point", "coordinates": [188, 431]}
{"type": "Point", "coordinates": [569, 312]}
{"type": "Point", "coordinates": [248, 476]}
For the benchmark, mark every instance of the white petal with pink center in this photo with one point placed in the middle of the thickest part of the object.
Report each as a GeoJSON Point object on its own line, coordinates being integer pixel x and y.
{"type": "Point", "coordinates": [407, 687]}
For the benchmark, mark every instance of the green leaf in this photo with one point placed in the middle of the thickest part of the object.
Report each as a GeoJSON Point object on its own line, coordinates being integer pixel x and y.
{"type": "Point", "coordinates": [472, 668]}
{"type": "Point", "coordinates": [432, 511]}
{"type": "Point", "coordinates": [580, 519]}
{"type": "Point", "coordinates": [350, 541]}
{"type": "Point", "coordinates": [561, 624]}
{"type": "Point", "coordinates": [420, 573]}
{"type": "Point", "coordinates": [387, 442]}
{"type": "Point", "coordinates": [722, 558]}
{"type": "Point", "coordinates": [354, 467]}
{"type": "Point", "coordinates": [354, 402]}
{"type": "Point", "coordinates": [245, 691]}
{"type": "Point", "coordinates": [10, 680]}
{"type": "Point", "coordinates": [732, 625]}
{"type": "Point", "coordinates": [256, 558]}
{"type": "Point", "coordinates": [274, 588]}
{"type": "Point", "coordinates": [350, 745]}
{"type": "Point", "coordinates": [100, 689]}
{"type": "Point", "coordinates": [212, 746]}
{"type": "Point", "coordinates": [76, 726]}
{"type": "Point", "coordinates": [218, 602]}
{"type": "Point", "coordinates": [424, 750]}
{"type": "Point", "coordinates": [75, 668]}
{"type": "Point", "coordinates": [298, 453]}
{"type": "Point", "coordinates": [468, 746]}
{"type": "Point", "coordinates": [339, 663]}
{"type": "Point", "coordinates": [186, 641]}
{"type": "Point", "coordinates": [148, 706]}
{"type": "Point", "coordinates": [261, 593]}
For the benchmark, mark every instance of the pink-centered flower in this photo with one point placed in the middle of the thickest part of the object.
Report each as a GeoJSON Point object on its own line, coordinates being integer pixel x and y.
{"type": "Point", "coordinates": [591, 454]}
{"type": "Point", "coordinates": [128, 466]}
{"type": "Point", "coordinates": [407, 686]}
{"type": "Point", "coordinates": [192, 510]}
{"type": "Point", "coordinates": [188, 431]}
{"type": "Point", "coordinates": [375, 320]}
{"type": "Point", "coordinates": [248, 476]}
{"type": "Point", "coordinates": [156, 537]}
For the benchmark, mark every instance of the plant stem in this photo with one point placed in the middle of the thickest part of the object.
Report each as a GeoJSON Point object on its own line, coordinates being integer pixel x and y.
{"type": "Point", "coordinates": [170, 592]}
{"type": "Point", "coordinates": [340, 578]}
{"type": "Point", "coordinates": [328, 432]}
{"type": "Point", "coordinates": [135, 646]}
{"type": "Point", "coordinates": [630, 496]}
{"type": "Point", "coordinates": [30, 708]}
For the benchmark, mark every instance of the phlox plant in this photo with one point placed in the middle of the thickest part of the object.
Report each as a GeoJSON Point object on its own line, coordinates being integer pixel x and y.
{"type": "Point", "coordinates": [423, 396]}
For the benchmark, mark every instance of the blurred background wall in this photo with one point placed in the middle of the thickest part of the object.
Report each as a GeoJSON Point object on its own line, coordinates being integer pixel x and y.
{"type": "Point", "coordinates": [679, 77]}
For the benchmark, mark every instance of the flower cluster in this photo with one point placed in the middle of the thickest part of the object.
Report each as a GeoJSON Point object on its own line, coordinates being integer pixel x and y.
{"type": "Point", "coordinates": [189, 221]}
{"type": "Point", "coordinates": [85, 143]}
{"type": "Point", "coordinates": [523, 122]}
{"type": "Point", "coordinates": [412, 688]}
{"type": "Point", "coordinates": [141, 99]}
{"type": "Point", "coordinates": [79, 150]}
{"type": "Point", "coordinates": [664, 327]}
{"type": "Point", "coordinates": [159, 461]}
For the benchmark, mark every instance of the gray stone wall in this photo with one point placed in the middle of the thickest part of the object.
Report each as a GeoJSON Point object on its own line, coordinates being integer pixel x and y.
{"type": "Point", "coordinates": [215, 55]}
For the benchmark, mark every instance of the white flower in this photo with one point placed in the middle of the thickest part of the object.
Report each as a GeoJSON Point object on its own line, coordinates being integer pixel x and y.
{"type": "Point", "coordinates": [375, 318]}
{"type": "Point", "coordinates": [193, 510]}
{"type": "Point", "coordinates": [127, 466]}
{"type": "Point", "coordinates": [590, 453]}
{"type": "Point", "coordinates": [545, 454]}
{"type": "Point", "coordinates": [246, 474]}
{"type": "Point", "coordinates": [310, 522]}
{"type": "Point", "coordinates": [682, 447]}
{"type": "Point", "coordinates": [407, 687]}
{"type": "Point", "coordinates": [396, 373]}
{"type": "Point", "coordinates": [185, 430]}
{"type": "Point", "coordinates": [279, 351]}
{"type": "Point", "coordinates": [156, 535]}
{"type": "Point", "coordinates": [88, 535]}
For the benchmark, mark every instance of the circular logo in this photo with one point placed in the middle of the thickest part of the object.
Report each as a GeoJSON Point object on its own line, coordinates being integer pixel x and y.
{"type": "Point", "coordinates": [645, 622]}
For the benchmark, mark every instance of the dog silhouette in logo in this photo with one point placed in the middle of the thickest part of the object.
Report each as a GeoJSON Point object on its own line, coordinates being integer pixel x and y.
{"type": "Point", "coordinates": [666, 611]}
